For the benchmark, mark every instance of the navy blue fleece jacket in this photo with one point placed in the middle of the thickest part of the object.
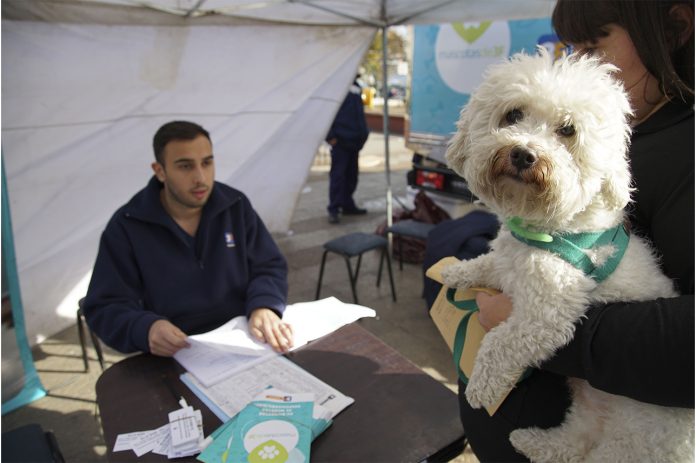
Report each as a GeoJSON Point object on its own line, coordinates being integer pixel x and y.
{"type": "Point", "coordinates": [148, 269]}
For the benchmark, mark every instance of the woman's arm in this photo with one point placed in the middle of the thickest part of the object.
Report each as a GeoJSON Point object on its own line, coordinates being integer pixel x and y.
{"type": "Point", "coordinates": [641, 350]}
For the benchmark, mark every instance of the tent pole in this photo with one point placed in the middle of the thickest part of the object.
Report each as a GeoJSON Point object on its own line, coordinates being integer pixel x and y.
{"type": "Point", "coordinates": [385, 125]}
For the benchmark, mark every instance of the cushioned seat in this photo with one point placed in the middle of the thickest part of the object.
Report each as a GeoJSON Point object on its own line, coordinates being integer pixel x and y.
{"type": "Point", "coordinates": [355, 244]}
{"type": "Point", "coordinates": [30, 444]}
{"type": "Point", "coordinates": [410, 228]}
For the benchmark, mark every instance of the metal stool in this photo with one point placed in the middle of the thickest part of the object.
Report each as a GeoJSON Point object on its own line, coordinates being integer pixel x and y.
{"type": "Point", "coordinates": [410, 228]}
{"type": "Point", "coordinates": [355, 244]}
{"type": "Point", "coordinates": [81, 322]}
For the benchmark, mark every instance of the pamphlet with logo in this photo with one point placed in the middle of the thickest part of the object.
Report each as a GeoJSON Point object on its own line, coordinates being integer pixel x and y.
{"type": "Point", "coordinates": [277, 427]}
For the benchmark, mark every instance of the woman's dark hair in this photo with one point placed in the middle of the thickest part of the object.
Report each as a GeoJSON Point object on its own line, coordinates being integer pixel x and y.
{"type": "Point", "coordinates": [175, 130]}
{"type": "Point", "coordinates": [656, 33]}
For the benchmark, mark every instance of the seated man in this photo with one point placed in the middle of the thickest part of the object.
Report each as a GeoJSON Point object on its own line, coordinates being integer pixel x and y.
{"type": "Point", "coordinates": [185, 255]}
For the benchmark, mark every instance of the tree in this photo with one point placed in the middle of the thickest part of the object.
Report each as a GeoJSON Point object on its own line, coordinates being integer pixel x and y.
{"type": "Point", "coordinates": [372, 62]}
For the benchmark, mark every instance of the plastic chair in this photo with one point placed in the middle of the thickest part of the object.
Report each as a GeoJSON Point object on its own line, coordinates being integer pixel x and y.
{"type": "Point", "coordinates": [81, 323]}
{"type": "Point", "coordinates": [355, 244]}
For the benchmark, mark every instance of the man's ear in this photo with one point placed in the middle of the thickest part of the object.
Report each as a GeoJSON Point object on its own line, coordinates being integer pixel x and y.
{"type": "Point", "coordinates": [158, 169]}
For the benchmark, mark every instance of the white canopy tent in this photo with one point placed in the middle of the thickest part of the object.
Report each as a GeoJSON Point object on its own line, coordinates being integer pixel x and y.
{"type": "Point", "coordinates": [85, 84]}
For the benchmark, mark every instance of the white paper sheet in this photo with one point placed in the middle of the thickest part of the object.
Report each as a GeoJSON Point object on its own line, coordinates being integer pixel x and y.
{"type": "Point", "coordinates": [229, 349]}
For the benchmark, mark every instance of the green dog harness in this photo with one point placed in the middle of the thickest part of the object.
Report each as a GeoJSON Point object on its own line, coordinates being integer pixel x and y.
{"type": "Point", "coordinates": [569, 247]}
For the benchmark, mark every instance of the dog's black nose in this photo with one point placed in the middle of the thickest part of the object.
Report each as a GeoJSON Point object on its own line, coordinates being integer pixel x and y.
{"type": "Point", "coordinates": [522, 159]}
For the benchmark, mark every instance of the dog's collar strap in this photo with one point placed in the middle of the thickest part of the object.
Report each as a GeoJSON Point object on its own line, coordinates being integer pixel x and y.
{"type": "Point", "coordinates": [572, 247]}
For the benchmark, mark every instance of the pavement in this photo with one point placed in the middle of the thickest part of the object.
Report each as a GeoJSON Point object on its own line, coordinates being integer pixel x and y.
{"type": "Point", "coordinates": [69, 408]}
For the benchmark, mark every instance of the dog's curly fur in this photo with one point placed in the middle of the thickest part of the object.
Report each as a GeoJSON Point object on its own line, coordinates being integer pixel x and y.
{"type": "Point", "coordinates": [547, 142]}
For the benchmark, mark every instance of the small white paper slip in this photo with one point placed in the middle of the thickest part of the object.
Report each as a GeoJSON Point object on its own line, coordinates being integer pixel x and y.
{"type": "Point", "coordinates": [183, 427]}
{"type": "Point", "coordinates": [192, 447]}
{"type": "Point", "coordinates": [150, 441]}
{"type": "Point", "coordinates": [127, 441]}
{"type": "Point", "coordinates": [164, 444]}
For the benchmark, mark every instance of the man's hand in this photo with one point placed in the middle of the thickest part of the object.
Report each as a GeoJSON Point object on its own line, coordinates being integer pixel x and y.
{"type": "Point", "coordinates": [266, 326]}
{"type": "Point", "coordinates": [493, 310]}
{"type": "Point", "coordinates": [165, 339]}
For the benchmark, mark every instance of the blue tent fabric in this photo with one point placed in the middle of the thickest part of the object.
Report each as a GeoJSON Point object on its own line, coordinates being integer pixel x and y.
{"type": "Point", "coordinates": [32, 389]}
{"type": "Point", "coordinates": [464, 238]}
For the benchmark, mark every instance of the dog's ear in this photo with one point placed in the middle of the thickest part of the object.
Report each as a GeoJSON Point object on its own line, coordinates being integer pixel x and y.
{"type": "Point", "coordinates": [616, 190]}
{"type": "Point", "coordinates": [457, 147]}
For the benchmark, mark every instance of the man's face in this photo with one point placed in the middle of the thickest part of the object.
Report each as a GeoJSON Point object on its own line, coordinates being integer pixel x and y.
{"type": "Point", "coordinates": [188, 172]}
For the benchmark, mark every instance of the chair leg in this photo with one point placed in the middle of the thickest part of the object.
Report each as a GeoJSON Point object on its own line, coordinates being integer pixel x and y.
{"type": "Point", "coordinates": [357, 267]}
{"type": "Point", "coordinates": [401, 255]}
{"type": "Point", "coordinates": [97, 348]}
{"type": "Point", "coordinates": [381, 264]}
{"type": "Point", "coordinates": [81, 334]}
{"type": "Point", "coordinates": [352, 279]}
{"type": "Point", "coordinates": [391, 277]}
{"type": "Point", "coordinates": [321, 274]}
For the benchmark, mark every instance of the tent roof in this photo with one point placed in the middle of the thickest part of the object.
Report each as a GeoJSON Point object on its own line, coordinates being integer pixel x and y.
{"type": "Point", "coordinates": [375, 13]}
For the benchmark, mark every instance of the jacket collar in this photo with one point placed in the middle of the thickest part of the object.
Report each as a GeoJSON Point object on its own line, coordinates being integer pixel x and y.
{"type": "Point", "coordinates": [147, 206]}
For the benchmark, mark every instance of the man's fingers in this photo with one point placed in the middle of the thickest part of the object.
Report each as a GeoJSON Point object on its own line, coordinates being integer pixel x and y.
{"type": "Point", "coordinates": [283, 335]}
{"type": "Point", "coordinates": [277, 336]}
{"type": "Point", "coordinates": [257, 333]}
{"type": "Point", "coordinates": [287, 334]}
{"type": "Point", "coordinates": [166, 339]}
{"type": "Point", "coordinates": [265, 325]}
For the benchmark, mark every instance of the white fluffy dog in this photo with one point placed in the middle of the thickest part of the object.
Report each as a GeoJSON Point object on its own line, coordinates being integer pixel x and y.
{"type": "Point", "coordinates": [544, 145]}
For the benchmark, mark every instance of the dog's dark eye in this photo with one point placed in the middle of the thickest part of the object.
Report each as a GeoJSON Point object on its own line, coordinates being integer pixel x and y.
{"type": "Point", "coordinates": [566, 130]}
{"type": "Point", "coordinates": [514, 116]}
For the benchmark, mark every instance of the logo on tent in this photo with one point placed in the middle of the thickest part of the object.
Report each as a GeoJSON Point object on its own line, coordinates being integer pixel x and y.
{"type": "Point", "coordinates": [464, 50]}
{"type": "Point", "coordinates": [471, 33]}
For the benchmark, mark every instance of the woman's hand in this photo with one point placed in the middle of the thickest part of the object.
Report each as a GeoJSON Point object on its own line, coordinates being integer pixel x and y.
{"type": "Point", "coordinates": [493, 310]}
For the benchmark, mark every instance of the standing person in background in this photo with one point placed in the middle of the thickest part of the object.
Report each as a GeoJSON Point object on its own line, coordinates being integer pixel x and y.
{"type": "Point", "coordinates": [642, 350]}
{"type": "Point", "coordinates": [347, 136]}
{"type": "Point", "coordinates": [185, 255]}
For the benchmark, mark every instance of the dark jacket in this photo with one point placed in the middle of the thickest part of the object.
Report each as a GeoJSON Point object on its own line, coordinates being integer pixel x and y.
{"type": "Point", "coordinates": [148, 269]}
{"type": "Point", "coordinates": [349, 127]}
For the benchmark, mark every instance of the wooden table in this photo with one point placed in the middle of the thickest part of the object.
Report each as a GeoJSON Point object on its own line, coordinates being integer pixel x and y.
{"type": "Point", "coordinates": [400, 413]}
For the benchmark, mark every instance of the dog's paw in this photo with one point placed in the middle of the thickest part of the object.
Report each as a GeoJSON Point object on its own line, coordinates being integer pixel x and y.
{"type": "Point", "coordinates": [527, 442]}
{"type": "Point", "coordinates": [450, 275]}
{"type": "Point", "coordinates": [545, 446]}
{"type": "Point", "coordinates": [456, 275]}
{"type": "Point", "coordinates": [480, 393]}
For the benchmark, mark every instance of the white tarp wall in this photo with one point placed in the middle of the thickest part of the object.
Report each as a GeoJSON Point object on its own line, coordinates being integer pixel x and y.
{"type": "Point", "coordinates": [86, 83]}
{"type": "Point", "coordinates": [81, 103]}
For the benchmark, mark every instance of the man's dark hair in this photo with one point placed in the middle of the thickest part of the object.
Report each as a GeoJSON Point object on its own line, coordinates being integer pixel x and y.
{"type": "Point", "coordinates": [175, 130]}
{"type": "Point", "coordinates": [656, 34]}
